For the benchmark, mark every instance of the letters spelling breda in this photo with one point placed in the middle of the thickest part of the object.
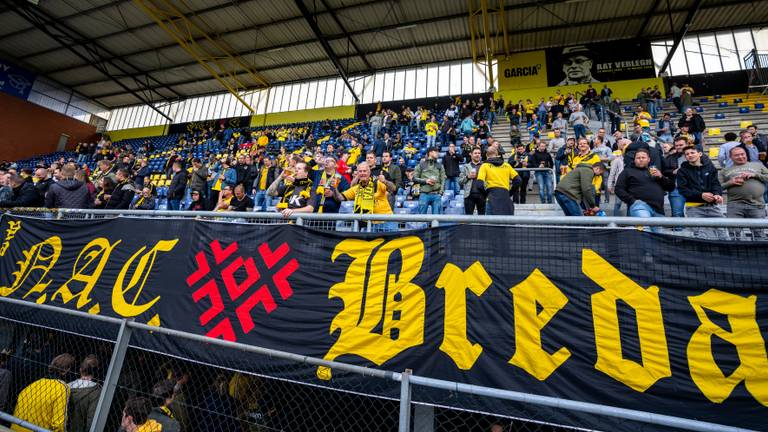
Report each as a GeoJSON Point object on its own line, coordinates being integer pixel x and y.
{"type": "Point", "coordinates": [361, 317]}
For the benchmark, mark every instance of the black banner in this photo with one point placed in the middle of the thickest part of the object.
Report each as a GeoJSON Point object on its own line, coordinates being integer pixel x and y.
{"type": "Point", "coordinates": [200, 126]}
{"type": "Point", "coordinates": [599, 62]}
{"type": "Point", "coordinates": [617, 317]}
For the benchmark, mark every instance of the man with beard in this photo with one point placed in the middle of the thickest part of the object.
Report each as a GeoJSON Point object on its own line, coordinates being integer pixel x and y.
{"type": "Point", "coordinates": [473, 195]}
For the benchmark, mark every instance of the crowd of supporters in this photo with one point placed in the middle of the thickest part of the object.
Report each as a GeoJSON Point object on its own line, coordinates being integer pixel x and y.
{"type": "Point", "coordinates": [432, 157]}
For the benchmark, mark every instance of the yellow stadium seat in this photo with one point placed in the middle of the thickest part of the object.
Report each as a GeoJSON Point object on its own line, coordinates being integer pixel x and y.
{"type": "Point", "coordinates": [623, 127]}
{"type": "Point", "coordinates": [714, 131]}
{"type": "Point", "coordinates": [744, 123]}
{"type": "Point", "coordinates": [550, 135]}
{"type": "Point", "coordinates": [713, 152]}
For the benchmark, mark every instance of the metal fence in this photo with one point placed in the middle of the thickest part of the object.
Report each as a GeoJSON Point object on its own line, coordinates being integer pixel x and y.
{"type": "Point", "coordinates": [108, 362]}
{"type": "Point", "coordinates": [260, 390]}
{"type": "Point", "coordinates": [709, 228]}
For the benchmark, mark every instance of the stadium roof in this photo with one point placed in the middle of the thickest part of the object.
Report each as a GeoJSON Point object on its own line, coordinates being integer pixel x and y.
{"type": "Point", "coordinates": [116, 53]}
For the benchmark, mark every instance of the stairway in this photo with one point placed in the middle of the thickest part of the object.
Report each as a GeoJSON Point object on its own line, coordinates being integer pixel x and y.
{"type": "Point", "coordinates": [500, 132]}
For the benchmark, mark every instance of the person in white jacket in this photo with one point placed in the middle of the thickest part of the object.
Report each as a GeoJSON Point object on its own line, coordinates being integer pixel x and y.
{"type": "Point", "coordinates": [617, 166]}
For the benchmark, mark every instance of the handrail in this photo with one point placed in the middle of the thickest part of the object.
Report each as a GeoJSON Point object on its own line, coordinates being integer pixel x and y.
{"type": "Point", "coordinates": [561, 221]}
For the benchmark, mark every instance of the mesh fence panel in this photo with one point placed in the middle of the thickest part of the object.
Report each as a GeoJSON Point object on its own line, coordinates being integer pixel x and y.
{"type": "Point", "coordinates": [227, 390]}
{"type": "Point", "coordinates": [51, 377]}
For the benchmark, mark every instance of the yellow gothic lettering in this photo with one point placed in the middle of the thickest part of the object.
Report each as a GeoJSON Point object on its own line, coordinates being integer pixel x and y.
{"type": "Point", "coordinates": [40, 257]}
{"type": "Point", "coordinates": [744, 334]}
{"type": "Point", "coordinates": [97, 251]}
{"type": "Point", "coordinates": [650, 326]}
{"type": "Point", "coordinates": [535, 290]}
{"type": "Point", "coordinates": [137, 280]}
{"type": "Point", "coordinates": [455, 283]}
{"type": "Point", "coordinates": [385, 315]}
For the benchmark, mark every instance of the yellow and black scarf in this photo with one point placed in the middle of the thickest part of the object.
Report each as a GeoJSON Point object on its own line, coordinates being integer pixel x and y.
{"type": "Point", "coordinates": [289, 190]}
{"type": "Point", "coordinates": [365, 198]}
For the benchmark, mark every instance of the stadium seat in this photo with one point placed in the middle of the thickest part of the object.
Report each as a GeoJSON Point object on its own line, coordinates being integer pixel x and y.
{"type": "Point", "coordinates": [759, 105]}
{"type": "Point", "coordinates": [743, 110]}
{"type": "Point", "coordinates": [737, 100]}
{"type": "Point", "coordinates": [719, 116]}
{"type": "Point", "coordinates": [722, 104]}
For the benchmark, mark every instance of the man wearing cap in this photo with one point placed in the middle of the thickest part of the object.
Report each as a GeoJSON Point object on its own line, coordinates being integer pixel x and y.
{"type": "Point", "coordinates": [577, 66]}
{"type": "Point", "coordinates": [430, 175]}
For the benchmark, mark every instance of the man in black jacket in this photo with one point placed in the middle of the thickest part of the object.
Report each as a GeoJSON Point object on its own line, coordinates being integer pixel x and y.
{"type": "Point", "coordinates": [451, 162]}
{"type": "Point", "coordinates": [178, 187]}
{"type": "Point", "coordinates": [642, 187]}
{"type": "Point", "coordinates": [697, 181]}
{"type": "Point", "coordinates": [42, 181]}
{"type": "Point", "coordinates": [265, 176]}
{"type": "Point", "coordinates": [124, 191]}
{"type": "Point", "coordinates": [24, 194]}
{"type": "Point", "coordinates": [68, 192]}
{"type": "Point", "coordinates": [696, 126]}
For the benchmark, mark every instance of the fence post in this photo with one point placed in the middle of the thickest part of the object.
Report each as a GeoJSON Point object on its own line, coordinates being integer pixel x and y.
{"type": "Point", "coordinates": [113, 374]}
{"type": "Point", "coordinates": [405, 402]}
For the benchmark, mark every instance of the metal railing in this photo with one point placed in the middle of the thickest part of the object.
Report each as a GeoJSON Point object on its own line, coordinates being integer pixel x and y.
{"type": "Point", "coordinates": [12, 310]}
{"type": "Point", "coordinates": [433, 220]}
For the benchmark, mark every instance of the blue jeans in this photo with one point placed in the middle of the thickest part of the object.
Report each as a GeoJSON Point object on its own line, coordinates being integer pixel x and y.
{"type": "Point", "coordinates": [641, 209]}
{"type": "Point", "coordinates": [677, 202]}
{"type": "Point", "coordinates": [652, 108]}
{"type": "Point", "coordinates": [260, 201]}
{"type": "Point", "coordinates": [579, 131]}
{"type": "Point", "coordinates": [569, 205]}
{"type": "Point", "coordinates": [375, 131]}
{"type": "Point", "coordinates": [452, 183]}
{"type": "Point", "coordinates": [431, 140]}
{"type": "Point", "coordinates": [404, 130]}
{"type": "Point", "coordinates": [433, 201]}
{"type": "Point", "coordinates": [174, 204]}
{"type": "Point", "coordinates": [544, 179]}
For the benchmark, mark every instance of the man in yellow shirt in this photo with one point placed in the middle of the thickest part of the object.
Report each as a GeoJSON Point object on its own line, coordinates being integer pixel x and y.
{"type": "Point", "coordinates": [44, 402]}
{"type": "Point", "coordinates": [495, 177]}
{"type": "Point", "coordinates": [369, 195]}
{"type": "Point", "coordinates": [431, 129]}
{"type": "Point", "coordinates": [642, 118]}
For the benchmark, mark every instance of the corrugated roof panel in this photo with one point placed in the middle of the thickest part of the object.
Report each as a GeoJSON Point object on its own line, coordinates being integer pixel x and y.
{"type": "Point", "coordinates": [24, 43]}
{"type": "Point", "coordinates": [11, 23]}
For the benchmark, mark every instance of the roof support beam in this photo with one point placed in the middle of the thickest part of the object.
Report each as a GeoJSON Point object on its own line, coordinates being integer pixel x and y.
{"type": "Point", "coordinates": [289, 45]}
{"type": "Point", "coordinates": [326, 46]}
{"type": "Point", "coordinates": [427, 45]}
{"type": "Point", "coordinates": [221, 65]}
{"type": "Point", "coordinates": [681, 34]}
{"type": "Point", "coordinates": [66, 17]}
{"type": "Point", "coordinates": [346, 34]}
{"type": "Point", "coordinates": [62, 35]}
{"type": "Point", "coordinates": [217, 8]}
{"type": "Point", "coordinates": [648, 18]}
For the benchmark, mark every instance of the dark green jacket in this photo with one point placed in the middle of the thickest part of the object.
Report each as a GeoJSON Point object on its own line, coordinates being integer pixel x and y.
{"type": "Point", "coordinates": [577, 185]}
